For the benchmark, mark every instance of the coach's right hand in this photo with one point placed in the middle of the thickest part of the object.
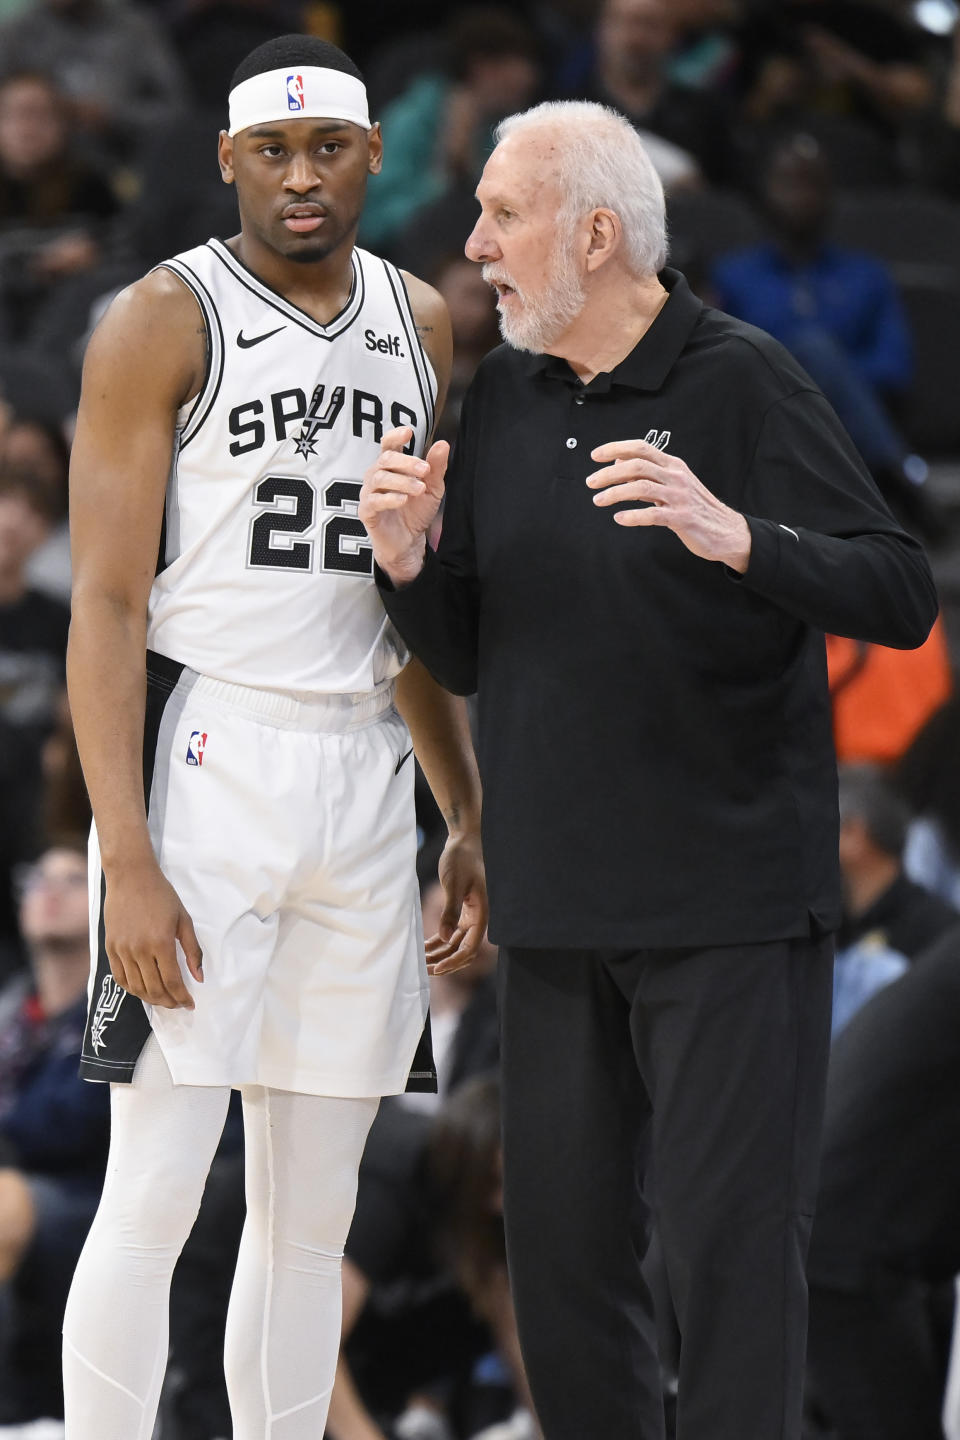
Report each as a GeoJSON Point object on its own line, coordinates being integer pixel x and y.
{"type": "Point", "coordinates": [399, 501]}
{"type": "Point", "coordinates": [143, 919]}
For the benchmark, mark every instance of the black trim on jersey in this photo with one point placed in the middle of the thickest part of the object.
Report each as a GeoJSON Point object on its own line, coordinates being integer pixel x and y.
{"type": "Point", "coordinates": [207, 346]}
{"type": "Point", "coordinates": [416, 347]}
{"type": "Point", "coordinates": [207, 308]}
{"type": "Point", "coordinates": [422, 1076]}
{"type": "Point", "coordinates": [344, 318]}
{"type": "Point", "coordinates": [162, 549]}
{"type": "Point", "coordinates": [115, 1019]}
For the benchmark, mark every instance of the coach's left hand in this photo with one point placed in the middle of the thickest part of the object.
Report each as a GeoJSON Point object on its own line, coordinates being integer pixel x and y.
{"type": "Point", "coordinates": [463, 922]}
{"type": "Point", "coordinates": [637, 470]}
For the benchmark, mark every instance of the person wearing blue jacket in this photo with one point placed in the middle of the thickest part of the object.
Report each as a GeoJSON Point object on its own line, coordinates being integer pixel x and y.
{"type": "Point", "coordinates": [836, 310]}
{"type": "Point", "coordinates": [54, 1133]}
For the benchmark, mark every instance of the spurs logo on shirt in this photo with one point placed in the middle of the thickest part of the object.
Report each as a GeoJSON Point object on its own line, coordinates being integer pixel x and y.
{"type": "Point", "coordinates": [106, 1011]}
{"type": "Point", "coordinates": [659, 438]}
{"type": "Point", "coordinates": [266, 574]}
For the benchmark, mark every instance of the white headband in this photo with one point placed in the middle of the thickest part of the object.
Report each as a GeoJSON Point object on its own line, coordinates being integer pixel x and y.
{"type": "Point", "coordinates": [298, 92]}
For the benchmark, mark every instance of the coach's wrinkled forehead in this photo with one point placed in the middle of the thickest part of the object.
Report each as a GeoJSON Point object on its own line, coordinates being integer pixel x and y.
{"type": "Point", "coordinates": [304, 92]}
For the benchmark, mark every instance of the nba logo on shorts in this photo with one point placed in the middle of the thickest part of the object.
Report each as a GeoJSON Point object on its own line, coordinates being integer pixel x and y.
{"type": "Point", "coordinates": [294, 92]}
{"type": "Point", "coordinates": [195, 747]}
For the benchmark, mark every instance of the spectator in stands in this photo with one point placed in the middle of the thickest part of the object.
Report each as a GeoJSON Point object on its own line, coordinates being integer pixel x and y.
{"type": "Point", "coordinates": [886, 1227]}
{"type": "Point", "coordinates": [467, 1169]}
{"type": "Point", "coordinates": [36, 447]}
{"type": "Point", "coordinates": [65, 809]}
{"type": "Point", "coordinates": [426, 1258]}
{"type": "Point", "coordinates": [837, 311]}
{"type": "Point", "coordinates": [882, 698]}
{"type": "Point", "coordinates": [397, 1292]}
{"type": "Point", "coordinates": [33, 626]}
{"type": "Point", "coordinates": [633, 45]}
{"type": "Point", "coordinates": [114, 62]}
{"type": "Point", "coordinates": [706, 52]}
{"type": "Point", "coordinates": [854, 72]}
{"type": "Point", "coordinates": [54, 206]}
{"type": "Point", "coordinates": [33, 641]}
{"type": "Point", "coordinates": [888, 918]}
{"type": "Point", "coordinates": [53, 1132]}
{"type": "Point", "coordinates": [942, 149]}
{"type": "Point", "coordinates": [879, 897]}
{"type": "Point", "coordinates": [929, 776]}
{"type": "Point", "coordinates": [439, 132]}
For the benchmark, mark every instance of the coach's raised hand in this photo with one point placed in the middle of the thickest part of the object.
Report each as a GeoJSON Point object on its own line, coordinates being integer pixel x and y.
{"type": "Point", "coordinates": [399, 501]}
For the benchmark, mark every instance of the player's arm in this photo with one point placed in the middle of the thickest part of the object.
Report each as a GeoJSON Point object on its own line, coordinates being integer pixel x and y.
{"type": "Point", "coordinates": [145, 359]}
{"type": "Point", "coordinates": [439, 726]}
{"type": "Point", "coordinates": [442, 743]}
{"type": "Point", "coordinates": [432, 320]}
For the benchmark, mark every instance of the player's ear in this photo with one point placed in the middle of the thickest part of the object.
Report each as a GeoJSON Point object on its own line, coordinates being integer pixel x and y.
{"type": "Point", "coordinates": [374, 148]}
{"type": "Point", "coordinates": [225, 157]}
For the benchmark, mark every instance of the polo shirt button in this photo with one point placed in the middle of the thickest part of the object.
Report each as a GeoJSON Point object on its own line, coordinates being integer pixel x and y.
{"type": "Point", "coordinates": [571, 443]}
{"type": "Point", "coordinates": [579, 399]}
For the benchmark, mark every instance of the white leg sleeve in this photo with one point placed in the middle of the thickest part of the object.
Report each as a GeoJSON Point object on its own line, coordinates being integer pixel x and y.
{"type": "Point", "coordinates": [283, 1324]}
{"type": "Point", "coordinates": [115, 1330]}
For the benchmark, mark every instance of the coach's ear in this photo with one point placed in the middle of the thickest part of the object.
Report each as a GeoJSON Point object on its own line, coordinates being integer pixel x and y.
{"type": "Point", "coordinates": [374, 148]}
{"type": "Point", "coordinates": [225, 157]}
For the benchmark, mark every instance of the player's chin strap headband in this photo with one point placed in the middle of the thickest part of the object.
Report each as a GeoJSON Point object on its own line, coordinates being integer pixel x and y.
{"type": "Point", "coordinates": [305, 92]}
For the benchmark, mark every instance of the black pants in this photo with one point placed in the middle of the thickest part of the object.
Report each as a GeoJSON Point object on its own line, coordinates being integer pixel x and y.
{"type": "Point", "coordinates": [707, 1066]}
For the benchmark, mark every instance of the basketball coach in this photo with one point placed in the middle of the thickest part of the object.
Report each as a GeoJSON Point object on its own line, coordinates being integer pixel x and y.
{"type": "Point", "coordinates": [651, 518]}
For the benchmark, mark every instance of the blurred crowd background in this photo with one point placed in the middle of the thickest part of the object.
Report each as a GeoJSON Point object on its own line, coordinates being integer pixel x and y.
{"type": "Point", "coordinates": [810, 151]}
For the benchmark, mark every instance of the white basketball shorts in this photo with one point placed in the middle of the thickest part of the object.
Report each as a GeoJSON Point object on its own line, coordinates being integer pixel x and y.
{"type": "Point", "coordinates": [286, 826]}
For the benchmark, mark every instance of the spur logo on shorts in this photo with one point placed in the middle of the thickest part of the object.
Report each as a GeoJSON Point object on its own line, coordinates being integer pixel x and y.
{"type": "Point", "coordinates": [196, 746]}
{"type": "Point", "coordinates": [660, 438]}
{"type": "Point", "coordinates": [106, 1011]}
{"type": "Point", "coordinates": [295, 99]}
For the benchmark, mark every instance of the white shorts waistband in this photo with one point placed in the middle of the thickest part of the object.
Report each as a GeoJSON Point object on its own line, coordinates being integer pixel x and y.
{"type": "Point", "coordinates": [333, 713]}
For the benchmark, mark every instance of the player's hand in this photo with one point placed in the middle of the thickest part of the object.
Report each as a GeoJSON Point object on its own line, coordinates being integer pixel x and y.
{"type": "Point", "coordinates": [463, 921]}
{"type": "Point", "coordinates": [675, 498]}
{"type": "Point", "coordinates": [399, 501]}
{"type": "Point", "coordinates": [143, 920]}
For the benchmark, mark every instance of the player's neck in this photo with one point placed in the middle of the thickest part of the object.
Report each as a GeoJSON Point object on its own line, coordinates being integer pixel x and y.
{"type": "Point", "coordinates": [321, 288]}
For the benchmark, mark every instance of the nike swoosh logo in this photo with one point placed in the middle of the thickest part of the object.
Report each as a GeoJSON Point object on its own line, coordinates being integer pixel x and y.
{"type": "Point", "coordinates": [401, 761]}
{"type": "Point", "coordinates": [255, 339]}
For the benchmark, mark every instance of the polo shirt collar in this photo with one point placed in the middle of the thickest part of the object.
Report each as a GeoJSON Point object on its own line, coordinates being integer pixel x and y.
{"type": "Point", "coordinates": [655, 354]}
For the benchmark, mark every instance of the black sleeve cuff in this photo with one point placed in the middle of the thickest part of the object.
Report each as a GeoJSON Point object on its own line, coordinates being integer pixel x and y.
{"type": "Point", "coordinates": [766, 537]}
{"type": "Point", "coordinates": [386, 586]}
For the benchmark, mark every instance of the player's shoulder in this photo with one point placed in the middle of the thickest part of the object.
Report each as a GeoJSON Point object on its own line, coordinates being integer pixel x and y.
{"type": "Point", "coordinates": [153, 330]}
{"type": "Point", "coordinates": [426, 302]}
{"type": "Point", "coordinates": [432, 319]}
{"type": "Point", "coordinates": [158, 302]}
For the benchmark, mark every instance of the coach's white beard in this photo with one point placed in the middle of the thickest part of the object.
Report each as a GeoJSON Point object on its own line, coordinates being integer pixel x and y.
{"type": "Point", "coordinates": [544, 317]}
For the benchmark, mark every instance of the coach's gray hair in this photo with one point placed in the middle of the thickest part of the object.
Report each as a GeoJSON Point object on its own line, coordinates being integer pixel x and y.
{"type": "Point", "coordinates": [602, 164]}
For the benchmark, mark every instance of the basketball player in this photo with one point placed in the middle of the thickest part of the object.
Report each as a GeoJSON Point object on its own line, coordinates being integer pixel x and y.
{"type": "Point", "coordinates": [254, 903]}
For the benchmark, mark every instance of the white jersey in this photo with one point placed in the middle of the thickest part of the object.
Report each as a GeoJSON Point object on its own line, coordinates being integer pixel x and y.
{"type": "Point", "coordinates": [266, 574]}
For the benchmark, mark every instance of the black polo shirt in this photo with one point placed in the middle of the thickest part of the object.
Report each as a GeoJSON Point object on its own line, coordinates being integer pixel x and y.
{"type": "Point", "coordinates": [655, 738]}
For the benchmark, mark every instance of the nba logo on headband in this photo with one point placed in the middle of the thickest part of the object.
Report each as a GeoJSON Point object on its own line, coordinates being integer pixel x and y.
{"type": "Point", "coordinates": [334, 95]}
